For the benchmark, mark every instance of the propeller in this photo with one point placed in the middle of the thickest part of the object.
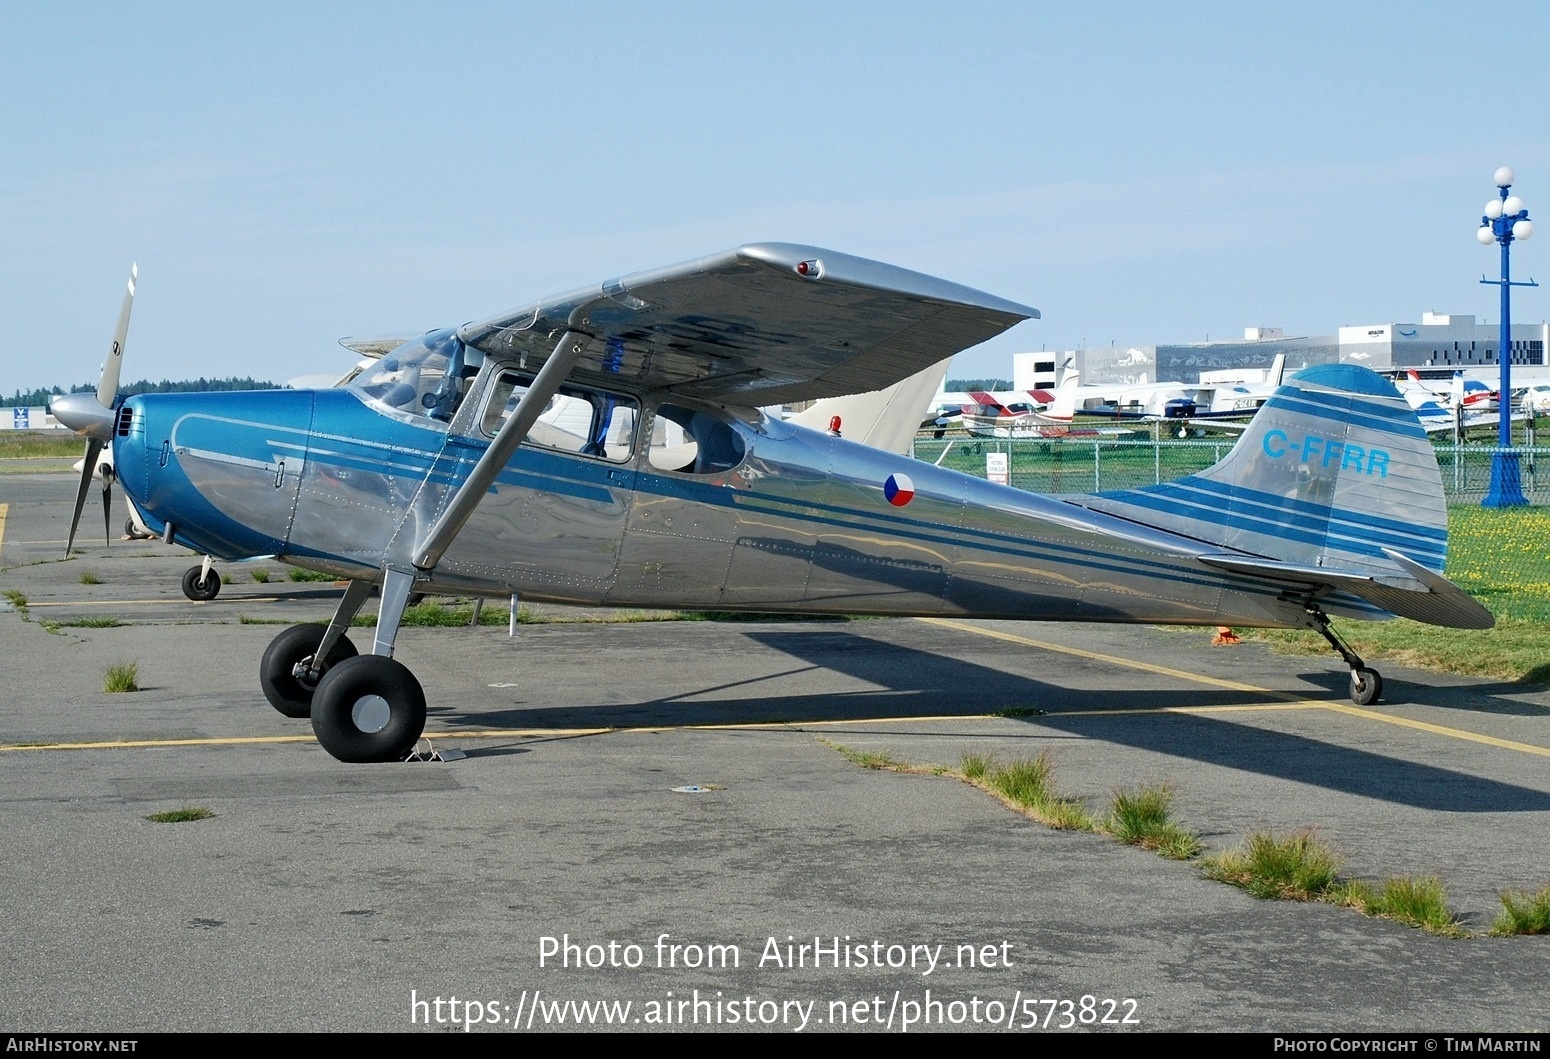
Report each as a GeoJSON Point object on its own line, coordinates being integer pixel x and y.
{"type": "Point", "coordinates": [93, 418]}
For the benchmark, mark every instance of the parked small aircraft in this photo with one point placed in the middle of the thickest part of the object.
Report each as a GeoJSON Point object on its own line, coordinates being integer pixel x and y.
{"type": "Point", "coordinates": [1204, 405]}
{"type": "Point", "coordinates": [1074, 408]}
{"type": "Point", "coordinates": [432, 471]}
{"type": "Point", "coordinates": [1466, 405]}
{"type": "Point", "coordinates": [1470, 394]}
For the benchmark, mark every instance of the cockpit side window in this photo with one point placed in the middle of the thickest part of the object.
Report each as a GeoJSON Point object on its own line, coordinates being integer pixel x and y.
{"type": "Point", "coordinates": [691, 441]}
{"type": "Point", "coordinates": [588, 422]}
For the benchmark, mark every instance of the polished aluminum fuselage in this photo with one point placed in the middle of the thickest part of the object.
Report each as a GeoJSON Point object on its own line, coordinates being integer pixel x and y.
{"type": "Point", "coordinates": [806, 522]}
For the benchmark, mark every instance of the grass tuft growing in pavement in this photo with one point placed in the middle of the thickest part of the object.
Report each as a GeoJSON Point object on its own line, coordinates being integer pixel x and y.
{"type": "Point", "coordinates": [123, 677]}
{"type": "Point", "coordinates": [1523, 913]}
{"type": "Point", "coordinates": [1029, 785]}
{"type": "Point", "coordinates": [975, 767]}
{"type": "Point", "coordinates": [180, 816]}
{"type": "Point", "coordinates": [1295, 867]}
{"type": "Point", "coordinates": [1143, 816]}
{"type": "Point", "coordinates": [1415, 902]}
{"type": "Point", "coordinates": [867, 759]}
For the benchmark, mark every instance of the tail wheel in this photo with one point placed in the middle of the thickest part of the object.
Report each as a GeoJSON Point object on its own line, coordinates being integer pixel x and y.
{"type": "Point", "coordinates": [286, 692]}
{"type": "Point", "coordinates": [201, 590]}
{"type": "Point", "coordinates": [1366, 686]}
{"type": "Point", "coordinates": [369, 708]}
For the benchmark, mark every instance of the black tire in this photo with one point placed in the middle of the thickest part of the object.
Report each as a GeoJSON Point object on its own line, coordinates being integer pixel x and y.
{"type": "Point", "coordinates": [201, 591]}
{"type": "Point", "coordinates": [369, 708]}
{"type": "Point", "coordinates": [1366, 686]}
{"type": "Point", "coordinates": [286, 692]}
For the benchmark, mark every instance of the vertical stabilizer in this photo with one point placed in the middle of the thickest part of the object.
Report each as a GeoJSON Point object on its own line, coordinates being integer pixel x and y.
{"type": "Point", "coordinates": [1333, 469]}
{"type": "Point", "coordinates": [1275, 374]}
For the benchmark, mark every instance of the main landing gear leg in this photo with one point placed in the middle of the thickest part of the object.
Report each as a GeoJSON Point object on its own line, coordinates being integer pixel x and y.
{"type": "Point", "coordinates": [371, 708]}
{"type": "Point", "coordinates": [297, 659]}
{"type": "Point", "coordinates": [1366, 684]}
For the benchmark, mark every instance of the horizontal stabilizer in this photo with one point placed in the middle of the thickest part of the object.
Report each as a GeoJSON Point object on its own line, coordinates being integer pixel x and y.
{"type": "Point", "coordinates": [1418, 593]}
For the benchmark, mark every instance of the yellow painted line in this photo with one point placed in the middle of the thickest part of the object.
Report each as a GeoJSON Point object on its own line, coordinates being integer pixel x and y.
{"type": "Point", "coordinates": [484, 733]}
{"type": "Point", "coordinates": [1035, 714]}
{"type": "Point", "coordinates": [1292, 701]}
{"type": "Point", "coordinates": [165, 599]}
{"type": "Point", "coordinates": [4, 508]}
{"type": "Point", "coordinates": [1437, 729]}
{"type": "Point", "coordinates": [127, 744]}
{"type": "Point", "coordinates": [267, 740]}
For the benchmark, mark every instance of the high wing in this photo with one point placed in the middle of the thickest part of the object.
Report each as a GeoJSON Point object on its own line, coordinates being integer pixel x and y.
{"type": "Point", "coordinates": [765, 323]}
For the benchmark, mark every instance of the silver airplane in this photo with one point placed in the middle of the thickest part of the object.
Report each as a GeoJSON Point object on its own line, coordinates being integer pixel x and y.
{"type": "Point", "coordinates": [605, 447]}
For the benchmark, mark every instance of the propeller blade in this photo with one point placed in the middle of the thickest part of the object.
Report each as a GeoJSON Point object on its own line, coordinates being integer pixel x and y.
{"type": "Point", "coordinates": [95, 421]}
{"type": "Point", "coordinates": [107, 507]}
{"type": "Point", "coordinates": [107, 388]}
{"type": "Point", "coordinates": [88, 468]}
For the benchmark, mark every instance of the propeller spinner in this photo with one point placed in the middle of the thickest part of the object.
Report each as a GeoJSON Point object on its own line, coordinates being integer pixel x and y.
{"type": "Point", "coordinates": [93, 418]}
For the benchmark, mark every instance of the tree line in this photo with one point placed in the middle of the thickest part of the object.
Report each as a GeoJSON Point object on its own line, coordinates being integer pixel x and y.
{"type": "Point", "coordinates": [965, 385]}
{"type": "Point", "coordinates": [40, 396]}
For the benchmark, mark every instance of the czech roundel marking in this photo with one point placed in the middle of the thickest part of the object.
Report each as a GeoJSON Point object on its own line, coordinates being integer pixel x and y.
{"type": "Point", "coordinates": [899, 489]}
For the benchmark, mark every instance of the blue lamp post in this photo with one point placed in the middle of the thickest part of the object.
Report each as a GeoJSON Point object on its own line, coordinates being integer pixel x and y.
{"type": "Point", "coordinates": [1505, 220]}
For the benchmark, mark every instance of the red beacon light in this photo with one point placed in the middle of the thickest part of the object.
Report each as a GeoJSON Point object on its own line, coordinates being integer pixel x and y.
{"type": "Point", "coordinates": [834, 426]}
{"type": "Point", "coordinates": [812, 269]}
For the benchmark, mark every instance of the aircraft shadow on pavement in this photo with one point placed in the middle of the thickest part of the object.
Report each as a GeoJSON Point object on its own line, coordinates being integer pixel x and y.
{"type": "Point", "coordinates": [907, 682]}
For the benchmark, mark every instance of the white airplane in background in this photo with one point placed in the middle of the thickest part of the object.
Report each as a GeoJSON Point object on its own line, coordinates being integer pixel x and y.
{"type": "Point", "coordinates": [1470, 394]}
{"type": "Point", "coordinates": [1466, 405]}
{"type": "Point", "coordinates": [1206, 406]}
{"type": "Point", "coordinates": [1176, 400]}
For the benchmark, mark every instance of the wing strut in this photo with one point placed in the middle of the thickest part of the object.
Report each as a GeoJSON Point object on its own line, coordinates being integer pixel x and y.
{"type": "Point", "coordinates": [546, 383]}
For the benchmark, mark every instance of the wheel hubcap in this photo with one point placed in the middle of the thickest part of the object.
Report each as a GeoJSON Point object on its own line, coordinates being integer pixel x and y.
{"type": "Point", "coordinates": [371, 714]}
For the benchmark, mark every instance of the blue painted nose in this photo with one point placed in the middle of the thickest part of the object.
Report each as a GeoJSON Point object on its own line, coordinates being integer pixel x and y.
{"type": "Point", "coordinates": [223, 469]}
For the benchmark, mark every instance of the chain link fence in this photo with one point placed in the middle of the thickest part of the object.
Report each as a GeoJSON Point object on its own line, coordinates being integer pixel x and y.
{"type": "Point", "coordinates": [1096, 464]}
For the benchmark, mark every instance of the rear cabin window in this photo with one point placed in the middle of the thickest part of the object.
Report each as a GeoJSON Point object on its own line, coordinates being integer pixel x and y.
{"type": "Point", "coordinates": [690, 441]}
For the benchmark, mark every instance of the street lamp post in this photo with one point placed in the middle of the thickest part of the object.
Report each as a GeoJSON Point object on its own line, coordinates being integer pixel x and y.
{"type": "Point", "coordinates": [1505, 220]}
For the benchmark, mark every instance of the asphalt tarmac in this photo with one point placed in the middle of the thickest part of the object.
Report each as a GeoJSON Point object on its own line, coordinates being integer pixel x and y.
{"type": "Point", "coordinates": [660, 815]}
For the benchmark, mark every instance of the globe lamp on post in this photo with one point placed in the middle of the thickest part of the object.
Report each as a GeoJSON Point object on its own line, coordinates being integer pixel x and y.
{"type": "Point", "coordinates": [1505, 222]}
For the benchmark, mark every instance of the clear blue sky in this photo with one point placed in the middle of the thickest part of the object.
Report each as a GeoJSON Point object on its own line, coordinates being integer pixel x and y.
{"type": "Point", "coordinates": [287, 174]}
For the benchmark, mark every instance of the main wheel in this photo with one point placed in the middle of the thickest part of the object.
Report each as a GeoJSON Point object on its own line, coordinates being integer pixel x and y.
{"type": "Point", "coordinates": [201, 590]}
{"type": "Point", "coordinates": [1366, 686]}
{"type": "Point", "coordinates": [369, 708]}
{"type": "Point", "coordinates": [286, 692]}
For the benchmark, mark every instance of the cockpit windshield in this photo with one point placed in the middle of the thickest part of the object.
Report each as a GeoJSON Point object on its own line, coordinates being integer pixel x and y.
{"type": "Point", "coordinates": [426, 376]}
